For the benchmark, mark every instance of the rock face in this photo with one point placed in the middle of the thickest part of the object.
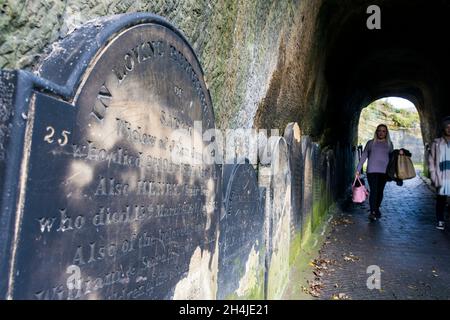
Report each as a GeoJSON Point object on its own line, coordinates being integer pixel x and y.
{"type": "Point", "coordinates": [110, 184]}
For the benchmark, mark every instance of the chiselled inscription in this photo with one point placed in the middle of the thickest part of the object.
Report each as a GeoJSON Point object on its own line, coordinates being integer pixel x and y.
{"type": "Point", "coordinates": [184, 64]}
{"type": "Point", "coordinates": [114, 193]}
{"type": "Point", "coordinates": [111, 187]}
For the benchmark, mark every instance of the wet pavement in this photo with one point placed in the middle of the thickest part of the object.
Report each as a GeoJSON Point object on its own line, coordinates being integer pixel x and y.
{"type": "Point", "coordinates": [411, 255]}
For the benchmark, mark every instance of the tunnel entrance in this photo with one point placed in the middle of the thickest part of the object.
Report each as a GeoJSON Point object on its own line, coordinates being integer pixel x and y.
{"type": "Point", "coordinates": [403, 121]}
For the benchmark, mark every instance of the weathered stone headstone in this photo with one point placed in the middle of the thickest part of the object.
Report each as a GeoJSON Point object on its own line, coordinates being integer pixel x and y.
{"type": "Point", "coordinates": [264, 178]}
{"type": "Point", "coordinates": [241, 239]}
{"type": "Point", "coordinates": [280, 218]}
{"type": "Point", "coordinates": [7, 91]}
{"type": "Point", "coordinates": [113, 199]}
{"type": "Point", "coordinates": [292, 135]}
{"type": "Point", "coordinates": [318, 183]}
{"type": "Point", "coordinates": [307, 206]}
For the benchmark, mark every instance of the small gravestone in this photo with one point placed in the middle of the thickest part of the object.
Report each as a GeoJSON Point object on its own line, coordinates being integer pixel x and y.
{"type": "Point", "coordinates": [307, 206]}
{"type": "Point", "coordinates": [318, 183]}
{"type": "Point", "coordinates": [114, 200]}
{"type": "Point", "coordinates": [241, 240]}
{"type": "Point", "coordinates": [280, 220]}
{"type": "Point", "coordinates": [292, 135]}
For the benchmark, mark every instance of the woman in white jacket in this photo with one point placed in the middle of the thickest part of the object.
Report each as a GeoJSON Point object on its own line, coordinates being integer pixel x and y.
{"type": "Point", "coordinates": [439, 164]}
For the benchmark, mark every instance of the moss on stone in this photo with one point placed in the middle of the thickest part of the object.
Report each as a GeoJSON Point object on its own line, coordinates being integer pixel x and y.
{"type": "Point", "coordinates": [256, 284]}
{"type": "Point", "coordinates": [301, 268]}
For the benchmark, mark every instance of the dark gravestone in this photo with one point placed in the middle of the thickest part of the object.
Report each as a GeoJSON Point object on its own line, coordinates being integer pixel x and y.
{"type": "Point", "coordinates": [114, 201]}
{"type": "Point", "coordinates": [241, 239]}
{"type": "Point", "coordinates": [7, 91]}
{"type": "Point", "coordinates": [307, 206]}
{"type": "Point", "coordinates": [292, 135]}
{"type": "Point", "coordinates": [332, 174]}
{"type": "Point", "coordinates": [279, 221]}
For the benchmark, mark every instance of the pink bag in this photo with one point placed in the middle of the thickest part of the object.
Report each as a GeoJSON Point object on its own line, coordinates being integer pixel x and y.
{"type": "Point", "coordinates": [359, 193]}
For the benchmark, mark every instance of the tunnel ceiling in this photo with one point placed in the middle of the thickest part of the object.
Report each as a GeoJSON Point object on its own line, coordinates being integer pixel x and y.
{"type": "Point", "coordinates": [408, 57]}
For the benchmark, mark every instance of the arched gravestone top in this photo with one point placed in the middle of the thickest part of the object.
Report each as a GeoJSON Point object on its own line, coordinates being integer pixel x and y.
{"type": "Point", "coordinates": [241, 258]}
{"type": "Point", "coordinates": [113, 190]}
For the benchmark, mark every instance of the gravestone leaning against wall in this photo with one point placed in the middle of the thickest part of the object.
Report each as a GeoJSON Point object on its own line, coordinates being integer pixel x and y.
{"type": "Point", "coordinates": [292, 135]}
{"type": "Point", "coordinates": [105, 194]}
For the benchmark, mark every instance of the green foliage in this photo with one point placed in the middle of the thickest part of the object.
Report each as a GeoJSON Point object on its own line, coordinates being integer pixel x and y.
{"type": "Point", "coordinates": [383, 112]}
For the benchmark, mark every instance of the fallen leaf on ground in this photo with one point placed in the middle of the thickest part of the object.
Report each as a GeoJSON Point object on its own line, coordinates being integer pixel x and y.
{"type": "Point", "coordinates": [340, 296]}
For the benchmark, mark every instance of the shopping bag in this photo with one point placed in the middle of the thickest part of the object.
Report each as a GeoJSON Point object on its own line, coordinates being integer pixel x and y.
{"type": "Point", "coordinates": [405, 167]}
{"type": "Point", "coordinates": [359, 193]}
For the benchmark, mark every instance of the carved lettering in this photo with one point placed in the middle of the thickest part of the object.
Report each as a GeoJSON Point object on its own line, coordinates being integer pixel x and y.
{"type": "Point", "coordinates": [139, 54]}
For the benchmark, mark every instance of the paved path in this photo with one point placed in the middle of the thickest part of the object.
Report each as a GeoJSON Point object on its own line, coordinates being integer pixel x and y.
{"type": "Point", "coordinates": [414, 257]}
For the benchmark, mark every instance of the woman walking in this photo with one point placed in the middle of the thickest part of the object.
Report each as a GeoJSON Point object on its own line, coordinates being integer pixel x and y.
{"type": "Point", "coordinates": [439, 164]}
{"type": "Point", "coordinates": [377, 152]}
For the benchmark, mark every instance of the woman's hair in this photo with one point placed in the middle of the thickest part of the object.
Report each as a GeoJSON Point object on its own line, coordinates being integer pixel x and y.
{"type": "Point", "coordinates": [388, 136]}
{"type": "Point", "coordinates": [444, 123]}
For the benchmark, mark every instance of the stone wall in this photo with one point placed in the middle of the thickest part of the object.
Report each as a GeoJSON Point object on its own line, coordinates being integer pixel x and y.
{"type": "Point", "coordinates": [243, 46]}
